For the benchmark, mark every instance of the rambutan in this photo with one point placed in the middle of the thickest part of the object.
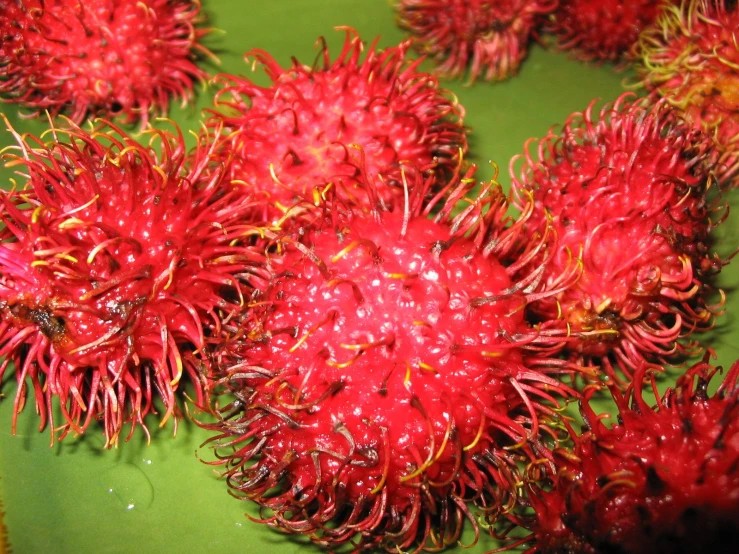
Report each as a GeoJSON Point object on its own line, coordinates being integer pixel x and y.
{"type": "Point", "coordinates": [105, 57]}
{"type": "Point", "coordinates": [630, 195]}
{"type": "Point", "coordinates": [116, 262]}
{"type": "Point", "coordinates": [663, 479]}
{"type": "Point", "coordinates": [385, 376]}
{"type": "Point", "coordinates": [690, 57]}
{"type": "Point", "coordinates": [344, 123]}
{"type": "Point", "coordinates": [486, 39]}
{"type": "Point", "coordinates": [604, 30]}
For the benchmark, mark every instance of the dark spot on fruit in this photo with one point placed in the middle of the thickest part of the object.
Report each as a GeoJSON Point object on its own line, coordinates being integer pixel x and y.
{"type": "Point", "coordinates": [157, 199]}
{"type": "Point", "coordinates": [52, 326]}
{"type": "Point", "coordinates": [229, 294]}
{"type": "Point", "coordinates": [499, 26]}
{"type": "Point", "coordinates": [438, 247]}
{"type": "Point", "coordinates": [655, 484]}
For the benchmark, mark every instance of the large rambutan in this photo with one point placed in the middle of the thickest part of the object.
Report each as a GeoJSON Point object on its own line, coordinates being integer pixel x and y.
{"type": "Point", "coordinates": [486, 39]}
{"type": "Point", "coordinates": [386, 376]}
{"type": "Point", "coordinates": [604, 30]}
{"type": "Point", "coordinates": [690, 57]}
{"type": "Point", "coordinates": [103, 57]}
{"type": "Point", "coordinates": [347, 122]}
{"type": "Point", "coordinates": [663, 479]}
{"type": "Point", "coordinates": [630, 195]}
{"type": "Point", "coordinates": [116, 262]}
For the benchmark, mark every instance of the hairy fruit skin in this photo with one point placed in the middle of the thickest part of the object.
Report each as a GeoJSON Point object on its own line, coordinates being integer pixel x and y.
{"type": "Point", "coordinates": [690, 57]}
{"type": "Point", "coordinates": [106, 57]}
{"type": "Point", "coordinates": [662, 479]}
{"type": "Point", "coordinates": [116, 263]}
{"type": "Point", "coordinates": [385, 377]}
{"type": "Point", "coordinates": [483, 38]}
{"type": "Point", "coordinates": [604, 30]}
{"type": "Point", "coordinates": [350, 123]}
{"type": "Point", "coordinates": [628, 194]}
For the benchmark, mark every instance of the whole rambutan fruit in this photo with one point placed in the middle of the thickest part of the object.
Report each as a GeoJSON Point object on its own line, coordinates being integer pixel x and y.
{"type": "Point", "coordinates": [116, 263]}
{"type": "Point", "coordinates": [690, 57]}
{"type": "Point", "coordinates": [663, 479]}
{"type": "Point", "coordinates": [346, 122]}
{"type": "Point", "coordinates": [604, 30]}
{"type": "Point", "coordinates": [484, 39]}
{"type": "Point", "coordinates": [630, 195]}
{"type": "Point", "coordinates": [385, 376]}
{"type": "Point", "coordinates": [107, 57]}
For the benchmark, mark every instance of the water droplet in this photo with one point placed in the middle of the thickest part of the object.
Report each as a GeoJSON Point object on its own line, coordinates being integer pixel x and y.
{"type": "Point", "coordinates": [128, 485]}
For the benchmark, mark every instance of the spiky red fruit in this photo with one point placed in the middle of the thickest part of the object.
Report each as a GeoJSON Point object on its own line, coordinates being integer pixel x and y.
{"type": "Point", "coordinates": [99, 56]}
{"type": "Point", "coordinates": [385, 377]}
{"type": "Point", "coordinates": [602, 30]}
{"type": "Point", "coordinates": [664, 479]}
{"type": "Point", "coordinates": [690, 57]}
{"type": "Point", "coordinates": [115, 263]}
{"type": "Point", "coordinates": [486, 39]}
{"type": "Point", "coordinates": [628, 194]}
{"type": "Point", "coordinates": [349, 123]}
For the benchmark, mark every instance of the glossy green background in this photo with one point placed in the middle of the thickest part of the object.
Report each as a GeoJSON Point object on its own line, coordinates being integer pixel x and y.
{"type": "Point", "coordinates": [77, 497]}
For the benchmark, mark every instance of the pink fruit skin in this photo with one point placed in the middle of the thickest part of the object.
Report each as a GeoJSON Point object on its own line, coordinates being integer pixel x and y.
{"type": "Point", "coordinates": [102, 57]}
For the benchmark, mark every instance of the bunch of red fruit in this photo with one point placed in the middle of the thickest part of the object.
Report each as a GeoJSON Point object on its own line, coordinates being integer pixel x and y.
{"type": "Point", "coordinates": [384, 349]}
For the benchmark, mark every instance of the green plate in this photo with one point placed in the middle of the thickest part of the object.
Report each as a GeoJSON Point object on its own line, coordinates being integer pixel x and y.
{"type": "Point", "coordinates": [79, 498]}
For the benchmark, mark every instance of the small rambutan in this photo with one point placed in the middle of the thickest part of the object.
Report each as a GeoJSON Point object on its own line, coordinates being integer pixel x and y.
{"type": "Point", "coordinates": [488, 40]}
{"type": "Point", "coordinates": [115, 263]}
{"type": "Point", "coordinates": [385, 376]}
{"type": "Point", "coordinates": [345, 122]}
{"type": "Point", "coordinates": [104, 57]}
{"type": "Point", "coordinates": [605, 30]}
{"type": "Point", "coordinates": [663, 479]}
{"type": "Point", "coordinates": [690, 57]}
{"type": "Point", "coordinates": [629, 194]}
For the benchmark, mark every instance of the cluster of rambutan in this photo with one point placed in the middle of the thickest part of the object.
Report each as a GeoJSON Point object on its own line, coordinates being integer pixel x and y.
{"type": "Point", "coordinates": [490, 40]}
{"type": "Point", "coordinates": [374, 346]}
{"type": "Point", "coordinates": [631, 194]}
{"type": "Point", "coordinates": [384, 349]}
{"type": "Point", "coordinates": [685, 51]}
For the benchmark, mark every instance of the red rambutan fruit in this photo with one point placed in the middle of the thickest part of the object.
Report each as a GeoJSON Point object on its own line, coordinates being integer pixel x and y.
{"type": "Point", "coordinates": [107, 57]}
{"type": "Point", "coordinates": [663, 479]}
{"type": "Point", "coordinates": [690, 57]}
{"type": "Point", "coordinates": [601, 30]}
{"type": "Point", "coordinates": [630, 195]}
{"type": "Point", "coordinates": [385, 376]}
{"type": "Point", "coordinates": [116, 262]}
{"type": "Point", "coordinates": [345, 122]}
{"type": "Point", "coordinates": [486, 39]}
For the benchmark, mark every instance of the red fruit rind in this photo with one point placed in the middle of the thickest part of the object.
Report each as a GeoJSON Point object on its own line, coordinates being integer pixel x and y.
{"type": "Point", "coordinates": [351, 122]}
{"type": "Point", "coordinates": [484, 39]}
{"type": "Point", "coordinates": [106, 57]}
{"type": "Point", "coordinates": [662, 479]}
{"type": "Point", "coordinates": [386, 376]}
{"type": "Point", "coordinates": [690, 57]}
{"type": "Point", "coordinates": [600, 31]}
{"type": "Point", "coordinates": [116, 262]}
{"type": "Point", "coordinates": [629, 194]}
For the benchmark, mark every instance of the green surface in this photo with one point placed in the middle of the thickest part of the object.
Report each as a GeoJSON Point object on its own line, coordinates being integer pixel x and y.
{"type": "Point", "coordinates": [77, 497]}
